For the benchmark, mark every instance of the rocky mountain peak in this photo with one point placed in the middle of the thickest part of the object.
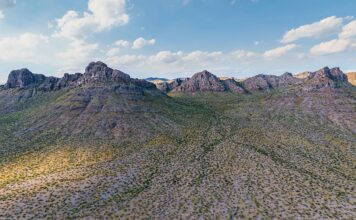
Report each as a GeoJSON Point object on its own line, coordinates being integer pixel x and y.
{"type": "Point", "coordinates": [23, 78]}
{"type": "Point", "coordinates": [334, 74]}
{"type": "Point", "coordinates": [100, 72]}
{"type": "Point", "coordinates": [202, 81]}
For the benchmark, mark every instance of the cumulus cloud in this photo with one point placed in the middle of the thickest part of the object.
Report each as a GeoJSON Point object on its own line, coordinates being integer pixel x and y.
{"type": "Point", "coordinates": [166, 57]}
{"type": "Point", "coordinates": [243, 54]}
{"type": "Point", "coordinates": [330, 47]}
{"type": "Point", "coordinates": [171, 61]}
{"type": "Point", "coordinates": [78, 53]}
{"type": "Point", "coordinates": [22, 48]}
{"type": "Point", "coordinates": [321, 28]}
{"type": "Point", "coordinates": [101, 15]}
{"type": "Point", "coordinates": [112, 52]}
{"type": "Point", "coordinates": [142, 42]}
{"type": "Point", "coordinates": [279, 51]}
{"type": "Point", "coordinates": [122, 43]}
{"type": "Point", "coordinates": [348, 30]}
{"type": "Point", "coordinates": [125, 60]}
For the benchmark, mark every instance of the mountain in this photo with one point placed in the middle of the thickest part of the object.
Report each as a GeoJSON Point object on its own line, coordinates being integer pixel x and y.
{"type": "Point", "coordinates": [266, 82]}
{"type": "Point", "coordinates": [101, 103]}
{"type": "Point", "coordinates": [102, 145]}
{"type": "Point", "coordinates": [206, 82]}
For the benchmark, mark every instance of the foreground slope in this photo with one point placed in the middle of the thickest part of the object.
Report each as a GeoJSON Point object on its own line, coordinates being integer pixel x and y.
{"type": "Point", "coordinates": [288, 152]}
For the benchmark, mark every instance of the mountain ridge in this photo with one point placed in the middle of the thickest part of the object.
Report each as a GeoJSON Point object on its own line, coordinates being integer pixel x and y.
{"type": "Point", "coordinates": [99, 72]}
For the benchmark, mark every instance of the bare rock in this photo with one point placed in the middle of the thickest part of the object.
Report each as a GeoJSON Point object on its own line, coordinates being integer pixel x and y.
{"type": "Point", "coordinates": [202, 81]}
{"type": "Point", "coordinates": [325, 78]}
{"type": "Point", "coordinates": [68, 80]}
{"type": "Point", "coordinates": [24, 78]}
{"type": "Point", "coordinates": [99, 72]}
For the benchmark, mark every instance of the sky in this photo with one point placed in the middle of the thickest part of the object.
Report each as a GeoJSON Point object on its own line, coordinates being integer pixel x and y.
{"type": "Point", "coordinates": [176, 38]}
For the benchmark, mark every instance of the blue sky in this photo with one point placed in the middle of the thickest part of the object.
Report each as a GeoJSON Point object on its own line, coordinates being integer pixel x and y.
{"type": "Point", "coordinates": [175, 38]}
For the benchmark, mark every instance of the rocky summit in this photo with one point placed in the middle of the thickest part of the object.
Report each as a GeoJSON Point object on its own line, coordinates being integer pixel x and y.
{"type": "Point", "coordinates": [103, 145]}
{"type": "Point", "coordinates": [203, 81]}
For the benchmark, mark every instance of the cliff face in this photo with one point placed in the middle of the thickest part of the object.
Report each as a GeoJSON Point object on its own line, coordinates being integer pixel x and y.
{"type": "Point", "coordinates": [24, 78]}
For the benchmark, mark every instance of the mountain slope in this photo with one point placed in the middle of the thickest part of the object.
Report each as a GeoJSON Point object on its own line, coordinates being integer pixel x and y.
{"type": "Point", "coordinates": [276, 153]}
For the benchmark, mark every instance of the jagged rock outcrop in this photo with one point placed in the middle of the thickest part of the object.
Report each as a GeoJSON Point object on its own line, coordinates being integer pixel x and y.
{"type": "Point", "coordinates": [99, 72]}
{"type": "Point", "coordinates": [24, 78]}
{"type": "Point", "coordinates": [203, 82]}
{"type": "Point", "coordinates": [325, 78]}
{"type": "Point", "coordinates": [95, 73]}
{"type": "Point", "coordinates": [68, 80]}
{"type": "Point", "coordinates": [266, 82]}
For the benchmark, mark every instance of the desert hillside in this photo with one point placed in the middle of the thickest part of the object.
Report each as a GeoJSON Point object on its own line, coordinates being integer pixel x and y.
{"type": "Point", "coordinates": [101, 144]}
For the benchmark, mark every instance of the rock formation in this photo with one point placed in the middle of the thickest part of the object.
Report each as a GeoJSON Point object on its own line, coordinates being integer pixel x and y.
{"type": "Point", "coordinates": [266, 82]}
{"type": "Point", "coordinates": [24, 78]}
{"type": "Point", "coordinates": [95, 73]}
{"type": "Point", "coordinates": [205, 82]}
{"type": "Point", "coordinates": [325, 78]}
{"type": "Point", "coordinates": [351, 77]}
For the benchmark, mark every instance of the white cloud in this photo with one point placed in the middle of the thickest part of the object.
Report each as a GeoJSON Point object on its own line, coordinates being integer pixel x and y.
{"type": "Point", "coordinates": [141, 42]}
{"type": "Point", "coordinates": [243, 54]}
{"type": "Point", "coordinates": [122, 43]}
{"type": "Point", "coordinates": [166, 57]}
{"type": "Point", "coordinates": [330, 47]}
{"type": "Point", "coordinates": [22, 48]}
{"type": "Point", "coordinates": [321, 28]}
{"type": "Point", "coordinates": [348, 30]}
{"type": "Point", "coordinates": [112, 52]}
{"type": "Point", "coordinates": [78, 53]}
{"type": "Point", "coordinates": [1, 15]}
{"type": "Point", "coordinates": [167, 61]}
{"type": "Point", "coordinates": [125, 60]}
{"type": "Point", "coordinates": [101, 15]}
{"type": "Point", "coordinates": [279, 51]}
{"type": "Point", "coordinates": [201, 56]}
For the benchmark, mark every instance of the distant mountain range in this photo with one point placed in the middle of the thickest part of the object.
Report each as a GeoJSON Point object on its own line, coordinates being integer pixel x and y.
{"type": "Point", "coordinates": [98, 72]}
